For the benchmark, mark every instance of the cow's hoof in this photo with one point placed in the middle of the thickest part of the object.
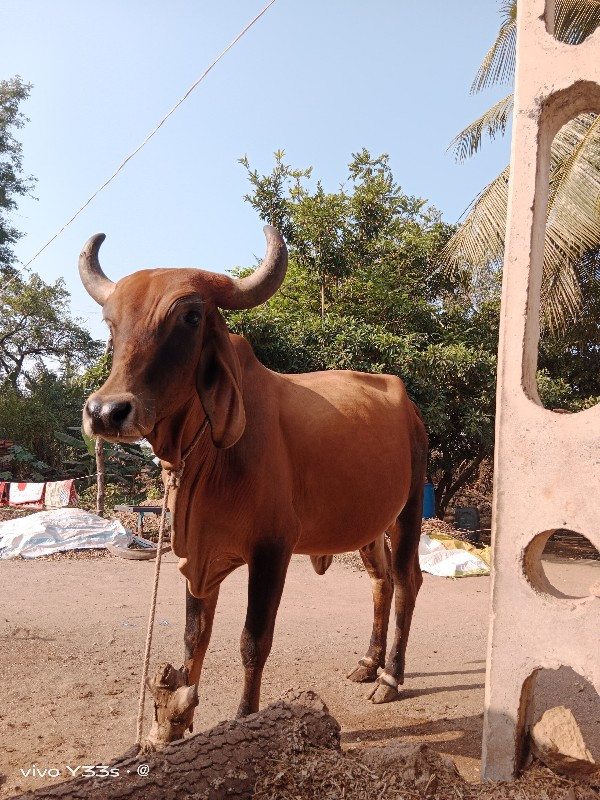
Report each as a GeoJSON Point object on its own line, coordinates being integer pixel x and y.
{"type": "Point", "coordinates": [382, 693]}
{"type": "Point", "coordinates": [363, 673]}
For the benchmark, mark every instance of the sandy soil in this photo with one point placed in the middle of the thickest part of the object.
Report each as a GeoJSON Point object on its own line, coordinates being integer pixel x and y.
{"type": "Point", "coordinates": [72, 634]}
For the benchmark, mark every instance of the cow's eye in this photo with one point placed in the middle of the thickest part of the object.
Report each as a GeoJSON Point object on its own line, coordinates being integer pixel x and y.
{"type": "Point", "coordinates": [192, 317]}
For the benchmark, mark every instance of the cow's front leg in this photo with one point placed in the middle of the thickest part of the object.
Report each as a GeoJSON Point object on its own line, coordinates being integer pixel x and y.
{"type": "Point", "coordinates": [199, 616]}
{"type": "Point", "coordinates": [175, 690]}
{"type": "Point", "coordinates": [267, 570]}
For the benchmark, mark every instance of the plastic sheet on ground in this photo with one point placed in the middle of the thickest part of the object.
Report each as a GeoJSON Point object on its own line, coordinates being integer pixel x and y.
{"type": "Point", "coordinates": [59, 530]}
{"type": "Point", "coordinates": [451, 558]}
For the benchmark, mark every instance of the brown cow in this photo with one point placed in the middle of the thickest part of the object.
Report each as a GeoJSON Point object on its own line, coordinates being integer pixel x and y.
{"type": "Point", "coordinates": [319, 463]}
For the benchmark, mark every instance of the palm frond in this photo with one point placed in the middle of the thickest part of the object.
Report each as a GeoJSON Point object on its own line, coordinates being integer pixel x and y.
{"type": "Point", "coordinates": [498, 66]}
{"type": "Point", "coordinates": [479, 240]}
{"type": "Point", "coordinates": [575, 20]}
{"type": "Point", "coordinates": [575, 173]}
{"type": "Point", "coordinates": [560, 294]}
{"type": "Point", "coordinates": [489, 124]}
{"type": "Point", "coordinates": [573, 221]}
{"type": "Point", "coordinates": [573, 226]}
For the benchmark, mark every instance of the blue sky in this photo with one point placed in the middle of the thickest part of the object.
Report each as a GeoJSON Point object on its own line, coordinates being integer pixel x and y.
{"type": "Point", "coordinates": [318, 78]}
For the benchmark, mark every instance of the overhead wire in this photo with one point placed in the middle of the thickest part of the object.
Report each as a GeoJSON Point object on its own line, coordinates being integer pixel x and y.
{"type": "Point", "coordinates": [146, 140]}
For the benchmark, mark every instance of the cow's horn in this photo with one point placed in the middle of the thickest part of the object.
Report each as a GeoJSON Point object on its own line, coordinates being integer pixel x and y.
{"type": "Point", "coordinates": [94, 280]}
{"type": "Point", "coordinates": [266, 278]}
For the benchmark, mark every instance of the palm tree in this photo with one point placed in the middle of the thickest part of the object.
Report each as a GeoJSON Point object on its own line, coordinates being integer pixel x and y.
{"type": "Point", "coordinates": [573, 220]}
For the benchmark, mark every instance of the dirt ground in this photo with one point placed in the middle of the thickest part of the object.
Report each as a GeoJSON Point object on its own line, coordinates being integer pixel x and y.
{"type": "Point", "coordinates": [72, 634]}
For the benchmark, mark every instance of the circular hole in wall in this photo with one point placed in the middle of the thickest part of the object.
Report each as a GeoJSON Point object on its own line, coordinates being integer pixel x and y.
{"type": "Point", "coordinates": [563, 563]}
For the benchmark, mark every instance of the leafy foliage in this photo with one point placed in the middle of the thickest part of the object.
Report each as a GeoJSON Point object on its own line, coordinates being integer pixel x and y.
{"type": "Point", "coordinates": [42, 352]}
{"type": "Point", "coordinates": [21, 463]}
{"type": "Point", "coordinates": [491, 123]}
{"type": "Point", "coordinates": [575, 20]}
{"type": "Point", "coordinates": [128, 465]}
{"type": "Point", "coordinates": [13, 183]}
{"type": "Point", "coordinates": [375, 303]}
{"type": "Point", "coordinates": [30, 413]}
{"type": "Point", "coordinates": [573, 218]}
{"type": "Point", "coordinates": [37, 331]}
{"type": "Point", "coordinates": [498, 66]}
{"type": "Point", "coordinates": [569, 362]}
{"type": "Point", "coordinates": [42, 348]}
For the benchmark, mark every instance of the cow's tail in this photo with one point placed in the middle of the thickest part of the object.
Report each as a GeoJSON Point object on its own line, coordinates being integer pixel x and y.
{"type": "Point", "coordinates": [421, 448]}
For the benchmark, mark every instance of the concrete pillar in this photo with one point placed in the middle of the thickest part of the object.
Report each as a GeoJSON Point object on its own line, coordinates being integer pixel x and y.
{"type": "Point", "coordinates": [547, 465]}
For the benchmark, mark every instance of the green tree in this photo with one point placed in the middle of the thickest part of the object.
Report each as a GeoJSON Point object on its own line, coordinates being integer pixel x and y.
{"type": "Point", "coordinates": [569, 361]}
{"type": "Point", "coordinates": [30, 414]}
{"type": "Point", "coordinates": [377, 304]}
{"type": "Point", "coordinates": [37, 331]}
{"type": "Point", "coordinates": [573, 217]}
{"type": "Point", "coordinates": [380, 304]}
{"type": "Point", "coordinates": [43, 350]}
{"type": "Point", "coordinates": [13, 184]}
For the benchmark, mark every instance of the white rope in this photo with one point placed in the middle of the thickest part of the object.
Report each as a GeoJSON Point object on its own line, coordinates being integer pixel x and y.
{"type": "Point", "coordinates": [146, 140]}
{"type": "Point", "coordinates": [385, 677]}
{"type": "Point", "coordinates": [148, 646]}
{"type": "Point", "coordinates": [172, 483]}
{"type": "Point", "coordinates": [367, 661]}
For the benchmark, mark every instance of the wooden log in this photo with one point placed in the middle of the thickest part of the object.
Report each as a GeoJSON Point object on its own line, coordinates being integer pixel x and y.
{"type": "Point", "coordinates": [221, 763]}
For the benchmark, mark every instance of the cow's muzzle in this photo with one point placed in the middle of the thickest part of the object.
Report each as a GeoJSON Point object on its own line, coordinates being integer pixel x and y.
{"type": "Point", "coordinates": [116, 417]}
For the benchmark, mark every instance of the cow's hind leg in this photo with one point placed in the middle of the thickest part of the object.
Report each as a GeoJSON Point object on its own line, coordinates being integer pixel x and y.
{"type": "Point", "coordinates": [377, 561]}
{"type": "Point", "coordinates": [407, 576]}
{"type": "Point", "coordinates": [267, 571]}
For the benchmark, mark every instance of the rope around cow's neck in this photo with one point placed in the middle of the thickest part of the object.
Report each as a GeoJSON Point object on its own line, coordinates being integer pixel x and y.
{"type": "Point", "coordinates": [172, 483]}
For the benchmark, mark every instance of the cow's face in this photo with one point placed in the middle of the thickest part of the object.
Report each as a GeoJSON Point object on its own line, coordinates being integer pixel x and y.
{"type": "Point", "coordinates": [170, 342]}
{"type": "Point", "coordinates": [167, 334]}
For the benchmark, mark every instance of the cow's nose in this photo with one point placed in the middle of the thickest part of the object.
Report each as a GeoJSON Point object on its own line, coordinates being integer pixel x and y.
{"type": "Point", "coordinates": [118, 413]}
{"type": "Point", "coordinates": [94, 408]}
{"type": "Point", "coordinates": [111, 415]}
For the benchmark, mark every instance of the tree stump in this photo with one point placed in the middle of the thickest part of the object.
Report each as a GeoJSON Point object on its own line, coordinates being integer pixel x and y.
{"type": "Point", "coordinates": [221, 763]}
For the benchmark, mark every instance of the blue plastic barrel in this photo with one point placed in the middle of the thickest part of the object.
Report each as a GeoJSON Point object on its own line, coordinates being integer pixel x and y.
{"type": "Point", "coordinates": [429, 502]}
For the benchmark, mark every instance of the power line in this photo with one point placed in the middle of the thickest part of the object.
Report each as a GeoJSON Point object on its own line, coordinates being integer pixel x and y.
{"type": "Point", "coordinates": [147, 139]}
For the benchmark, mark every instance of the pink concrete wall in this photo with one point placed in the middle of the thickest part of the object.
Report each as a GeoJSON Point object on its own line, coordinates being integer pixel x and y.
{"type": "Point", "coordinates": [547, 465]}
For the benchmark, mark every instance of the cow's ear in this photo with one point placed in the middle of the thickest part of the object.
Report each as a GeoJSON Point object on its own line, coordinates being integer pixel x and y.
{"type": "Point", "coordinates": [219, 384]}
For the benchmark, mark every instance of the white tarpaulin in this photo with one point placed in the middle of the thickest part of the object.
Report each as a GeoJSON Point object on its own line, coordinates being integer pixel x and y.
{"type": "Point", "coordinates": [450, 558]}
{"type": "Point", "coordinates": [58, 530]}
